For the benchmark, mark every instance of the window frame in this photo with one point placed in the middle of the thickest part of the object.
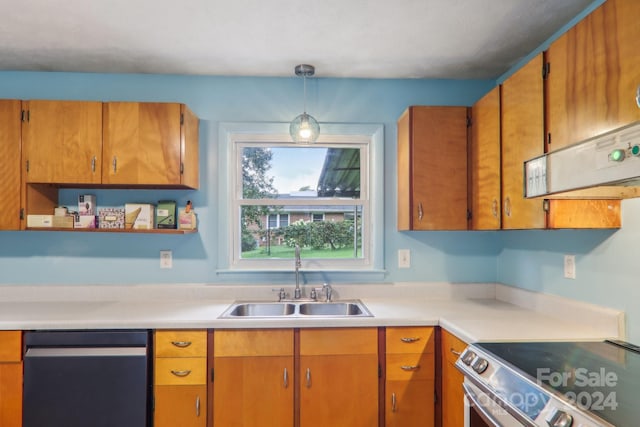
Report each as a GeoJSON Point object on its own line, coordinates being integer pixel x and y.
{"type": "Point", "coordinates": [370, 138]}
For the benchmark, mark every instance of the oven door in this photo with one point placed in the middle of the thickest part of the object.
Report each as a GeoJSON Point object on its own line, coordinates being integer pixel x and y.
{"type": "Point", "coordinates": [482, 411]}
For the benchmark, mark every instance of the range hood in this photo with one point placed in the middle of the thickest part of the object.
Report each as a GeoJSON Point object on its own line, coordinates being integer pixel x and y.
{"type": "Point", "coordinates": [606, 167]}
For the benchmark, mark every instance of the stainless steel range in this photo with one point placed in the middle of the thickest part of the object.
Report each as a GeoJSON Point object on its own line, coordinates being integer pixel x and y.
{"type": "Point", "coordinates": [552, 384]}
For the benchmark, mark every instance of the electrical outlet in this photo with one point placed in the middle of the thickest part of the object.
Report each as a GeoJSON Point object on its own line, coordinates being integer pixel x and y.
{"type": "Point", "coordinates": [404, 258]}
{"type": "Point", "coordinates": [166, 259]}
{"type": "Point", "coordinates": [570, 266]}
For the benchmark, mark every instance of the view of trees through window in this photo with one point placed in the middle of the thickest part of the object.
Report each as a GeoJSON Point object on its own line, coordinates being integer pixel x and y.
{"type": "Point", "coordinates": [306, 196]}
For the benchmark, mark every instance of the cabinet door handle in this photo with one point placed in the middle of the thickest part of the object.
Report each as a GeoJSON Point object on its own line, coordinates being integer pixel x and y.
{"type": "Point", "coordinates": [114, 162]}
{"type": "Point", "coordinates": [452, 350]}
{"type": "Point", "coordinates": [93, 164]}
{"type": "Point", "coordinates": [420, 211]}
{"type": "Point", "coordinates": [183, 373]}
{"type": "Point", "coordinates": [197, 406]}
{"type": "Point", "coordinates": [409, 340]}
{"type": "Point", "coordinates": [410, 367]}
{"type": "Point", "coordinates": [181, 344]}
{"type": "Point", "coordinates": [393, 402]}
{"type": "Point", "coordinates": [494, 208]}
{"type": "Point", "coordinates": [286, 378]}
{"type": "Point", "coordinates": [308, 376]}
{"type": "Point", "coordinates": [507, 206]}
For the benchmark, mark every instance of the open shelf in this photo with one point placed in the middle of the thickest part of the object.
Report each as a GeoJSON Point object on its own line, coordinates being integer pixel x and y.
{"type": "Point", "coordinates": [114, 230]}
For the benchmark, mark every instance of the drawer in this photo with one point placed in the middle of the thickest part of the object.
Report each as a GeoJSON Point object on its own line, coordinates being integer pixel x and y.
{"type": "Point", "coordinates": [10, 346]}
{"type": "Point", "coordinates": [410, 366]}
{"type": "Point", "coordinates": [452, 346]}
{"type": "Point", "coordinates": [253, 342]}
{"type": "Point", "coordinates": [181, 370]}
{"type": "Point", "coordinates": [181, 343]}
{"type": "Point", "coordinates": [420, 339]}
{"type": "Point", "coordinates": [334, 341]}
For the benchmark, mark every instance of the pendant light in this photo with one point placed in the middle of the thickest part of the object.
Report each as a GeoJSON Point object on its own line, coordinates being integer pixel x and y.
{"type": "Point", "coordinates": [304, 129]}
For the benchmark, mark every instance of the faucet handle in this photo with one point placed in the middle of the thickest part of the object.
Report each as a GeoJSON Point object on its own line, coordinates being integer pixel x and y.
{"type": "Point", "coordinates": [313, 294]}
{"type": "Point", "coordinates": [327, 290]}
{"type": "Point", "coordinates": [281, 293]}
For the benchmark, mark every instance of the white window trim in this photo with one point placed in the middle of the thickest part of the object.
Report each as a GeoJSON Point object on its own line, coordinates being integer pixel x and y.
{"type": "Point", "coordinates": [233, 134]}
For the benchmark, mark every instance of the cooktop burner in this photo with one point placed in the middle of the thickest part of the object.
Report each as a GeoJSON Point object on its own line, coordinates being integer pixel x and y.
{"type": "Point", "coordinates": [600, 377]}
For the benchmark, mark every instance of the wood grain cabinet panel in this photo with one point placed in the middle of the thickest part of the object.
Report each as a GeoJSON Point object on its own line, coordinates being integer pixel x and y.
{"type": "Point", "coordinates": [148, 143]}
{"type": "Point", "coordinates": [410, 377]}
{"type": "Point", "coordinates": [62, 141]}
{"type": "Point", "coordinates": [181, 343]}
{"type": "Point", "coordinates": [484, 163]}
{"type": "Point", "coordinates": [432, 168]}
{"type": "Point", "coordinates": [11, 378]}
{"type": "Point", "coordinates": [452, 394]}
{"type": "Point", "coordinates": [10, 161]}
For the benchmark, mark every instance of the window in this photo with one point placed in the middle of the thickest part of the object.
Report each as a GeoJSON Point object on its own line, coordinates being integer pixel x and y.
{"type": "Point", "coordinates": [315, 196]}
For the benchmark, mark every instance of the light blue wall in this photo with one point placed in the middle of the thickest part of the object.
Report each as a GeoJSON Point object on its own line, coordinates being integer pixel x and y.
{"type": "Point", "coordinates": [93, 258]}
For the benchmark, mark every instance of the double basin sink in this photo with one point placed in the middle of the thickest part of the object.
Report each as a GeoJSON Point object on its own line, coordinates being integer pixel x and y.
{"type": "Point", "coordinates": [300, 309]}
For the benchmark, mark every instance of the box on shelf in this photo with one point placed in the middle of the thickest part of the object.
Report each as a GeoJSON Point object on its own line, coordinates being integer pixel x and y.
{"type": "Point", "coordinates": [87, 204]}
{"type": "Point", "coordinates": [85, 221]}
{"type": "Point", "coordinates": [187, 220]}
{"type": "Point", "coordinates": [111, 218]}
{"type": "Point", "coordinates": [44, 221]}
{"type": "Point", "coordinates": [166, 214]}
{"type": "Point", "coordinates": [139, 216]}
{"type": "Point", "coordinates": [63, 221]}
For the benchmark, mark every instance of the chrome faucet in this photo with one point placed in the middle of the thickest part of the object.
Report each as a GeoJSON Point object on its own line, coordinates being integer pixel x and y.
{"type": "Point", "coordinates": [327, 291]}
{"type": "Point", "coordinates": [297, 294]}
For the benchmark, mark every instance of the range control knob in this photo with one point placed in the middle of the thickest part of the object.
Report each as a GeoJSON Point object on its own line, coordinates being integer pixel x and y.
{"type": "Point", "coordinates": [560, 419]}
{"type": "Point", "coordinates": [481, 365]}
{"type": "Point", "coordinates": [617, 155]}
{"type": "Point", "coordinates": [468, 357]}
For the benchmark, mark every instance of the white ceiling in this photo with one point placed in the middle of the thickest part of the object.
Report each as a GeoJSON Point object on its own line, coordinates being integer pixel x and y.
{"type": "Point", "coordinates": [342, 38]}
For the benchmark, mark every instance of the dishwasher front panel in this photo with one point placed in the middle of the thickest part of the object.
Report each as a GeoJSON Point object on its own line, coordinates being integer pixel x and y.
{"type": "Point", "coordinates": [97, 386]}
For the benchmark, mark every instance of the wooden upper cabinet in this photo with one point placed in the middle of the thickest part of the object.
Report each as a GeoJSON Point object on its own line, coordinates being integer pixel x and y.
{"type": "Point", "coordinates": [10, 140]}
{"type": "Point", "coordinates": [432, 168]}
{"type": "Point", "coordinates": [594, 73]}
{"type": "Point", "coordinates": [522, 139]}
{"type": "Point", "coordinates": [147, 143]}
{"type": "Point", "coordinates": [484, 159]}
{"type": "Point", "coordinates": [62, 141]}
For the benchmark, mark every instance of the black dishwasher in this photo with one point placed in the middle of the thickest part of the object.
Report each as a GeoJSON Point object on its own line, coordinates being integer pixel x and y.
{"type": "Point", "coordinates": [87, 378]}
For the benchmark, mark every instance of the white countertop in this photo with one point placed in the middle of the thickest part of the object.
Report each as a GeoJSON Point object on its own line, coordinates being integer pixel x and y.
{"type": "Point", "coordinates": [473, 312]}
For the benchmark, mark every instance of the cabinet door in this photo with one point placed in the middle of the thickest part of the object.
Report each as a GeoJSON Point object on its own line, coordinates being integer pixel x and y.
{"type": "Point", "coordinates": [432, 168]}
{"type": "Point", "coordinates": [484, 158]}
{"type": "Point", "coordinates": [253, 391]}
{"type": "Point", "coordinates": [184, 406]}
{"type": "Point", "coordinates": [409, 404]}
{"type": "Point", "coordinates": [10, 192]}
{"type": "Point", "coordinates": [10, 394]}
{"type": "Point", "coordinates": [62, 141]}
{"type": "Point", "coordinates": [522, 139]}
{"type": "Point", "coordinates": [452, 394]}
{"type": "Point", "coordinates": [339, 377]}
{"type": "Point", "coordinates": [594, 74]}
{"type": "Point", "coordinates": [141, 143]}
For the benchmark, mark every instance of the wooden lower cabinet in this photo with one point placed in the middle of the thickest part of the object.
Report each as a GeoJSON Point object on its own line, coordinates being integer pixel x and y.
{"type": "Point", "coordinates": [180, 378]}
{"type": "Point", "coordinates": [254, 378]}
{"type": "Point", "coordinates": [452, 393]}
{"type": "Point", "coordinates": [183, 405]}
{"type": "Point", "coordinates": [339, 377]}
{"type": "Point", "coordinates": [410, 377]}
{"type": "Point", "coordinates": [11, 378]}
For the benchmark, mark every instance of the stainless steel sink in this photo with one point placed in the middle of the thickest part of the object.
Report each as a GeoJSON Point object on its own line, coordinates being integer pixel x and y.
{"type": "Point", "coordinates": [299, 309]}
{"type": "Point", "coordinates": [260, 309]}
{"type": "Point", "coordinates": [335, 309]}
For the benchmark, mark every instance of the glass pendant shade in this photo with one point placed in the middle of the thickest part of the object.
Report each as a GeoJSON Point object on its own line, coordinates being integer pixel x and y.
{"type": "Point", "coordinates": [304, 129]}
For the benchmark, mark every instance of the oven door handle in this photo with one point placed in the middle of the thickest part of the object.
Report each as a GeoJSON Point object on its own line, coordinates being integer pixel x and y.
{"type": "Point", "coordinates": [474, 402]}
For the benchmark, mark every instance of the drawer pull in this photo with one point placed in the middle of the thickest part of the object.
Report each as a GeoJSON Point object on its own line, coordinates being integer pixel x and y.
{"type": "Point", "coordinates": [183, 373]}
{"type": "Point", "coordinates": [410, 339]}
{"type": "Point", "coordinates": [181, 344]}
{"type": "Point", "coordinates": [308, 375]}
{"type": "Point", "coordinates": [286, 378]}
{"type": "Point", "coordinates": [410, 367]}
{"type": "Point", "coordinates": [197, 406]}
{"type": "Point", "coordinates": [393, 402]}
{"type": "Point", "coordinates": [452, 350]}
